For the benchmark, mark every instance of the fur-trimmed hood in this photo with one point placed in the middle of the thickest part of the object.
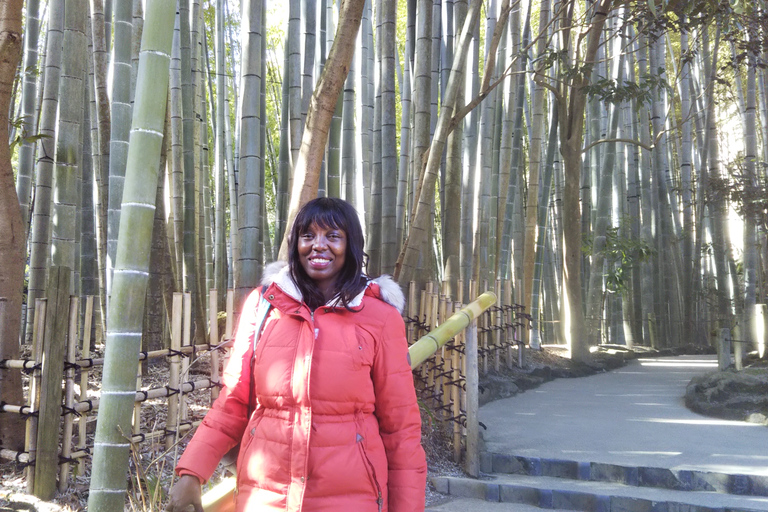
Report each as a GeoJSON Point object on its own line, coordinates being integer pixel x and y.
{"type": "Point", "coordinates": [383, 287]}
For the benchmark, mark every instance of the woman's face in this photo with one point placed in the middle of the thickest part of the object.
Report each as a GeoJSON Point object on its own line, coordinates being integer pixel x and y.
{"type": "Point", "coordinates": [322, 252]}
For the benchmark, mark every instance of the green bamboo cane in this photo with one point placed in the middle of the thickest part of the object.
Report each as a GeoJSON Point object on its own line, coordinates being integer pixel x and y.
{"type": "Point", "coordinates": [126, 308]}
{"type": "Point", "coordinates": [430, 343]}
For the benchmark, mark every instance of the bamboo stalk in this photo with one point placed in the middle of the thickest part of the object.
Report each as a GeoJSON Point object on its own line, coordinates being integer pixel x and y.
{"type": "Point", "coordinates": [136, 427]}
{"type": "Point", "coordinates": [472, 466]}
{"type": "Point", "coordinates": [412, 311]}
{"type": "Point", "coordinates": [447, 357]}
{"type": "Point", "coordinates": [429, 343]}
{"type": "Point", "coordinates": [69, 392]}
{"type": "Point", "coordinates": [509, 318]}
{"type": "Point", "coordinates": [228, 326]}
{"type": "Point", "coordinates": [432, 323]}
{"type": "Point", "coordinates": [420, 331]}
{"type": "Point", "coordinates": [41, 306]}
{"type": "Point", "coordinates": [456, 391]}
{"type": "Point", "coordinates": [52, 374]}
{"type": "Point", "coordinates": [482, 337]}
{"type": "Point", "coordinates": [213, 338]}
{"type": "Point", "coordinates": [186, 341]}
{"type": "Point", "coordinates": [22, 457]}
{"type": "Point", "coordinates": [173, 377]}
{"type": "Point", "coordinates": [85, 352]}
{"type": "Point", "coordinates": [498, 338]}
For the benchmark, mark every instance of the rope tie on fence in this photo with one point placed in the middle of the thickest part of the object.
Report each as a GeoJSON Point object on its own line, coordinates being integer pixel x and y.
{"type": "Point", "coordinates": [70, 366]}
{"type": "Point", "coordinates": [24, 464]}
{"type": "Point", "coordinates": [145, 394]}
{"type": "Point", "coordinates": [90, 405]}
{"type": "Point", "coordinates": [172, 353]}
{"type": "Point", "coordinates": [172, 391]}
{"type": "Point", "coordinates": [69, 410]}
{"type": "Point", "coordinates": [67, 460]}
{"type": "Point", "coordinates": [86, 363]}
{"type": "Point", "coordinates": [143, 355]}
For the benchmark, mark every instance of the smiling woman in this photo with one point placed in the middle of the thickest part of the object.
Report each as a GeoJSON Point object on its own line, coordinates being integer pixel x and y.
{"type": "Point", "coordinates": [318, 390]}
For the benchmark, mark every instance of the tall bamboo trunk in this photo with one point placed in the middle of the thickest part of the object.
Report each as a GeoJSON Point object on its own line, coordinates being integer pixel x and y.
{"type": "Point", "coordinates": [25, 171]}
{"type": "Point", "coordinates": [111, 450]}
{"type": "Point", "coordinates": [41, 215]}
{"type": "Point", "coordinates": [251, 151]}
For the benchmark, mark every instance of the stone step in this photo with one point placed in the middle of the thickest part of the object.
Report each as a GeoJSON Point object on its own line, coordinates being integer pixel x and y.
{"type": "Point", "coordinates": [474, 505]}
{"type": "Point", "coordinates": [657, 477]}
{"type": "Point", "coordinates": [559, 493]}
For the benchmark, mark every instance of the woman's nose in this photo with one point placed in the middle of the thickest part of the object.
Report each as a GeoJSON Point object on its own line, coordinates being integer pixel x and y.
{"type": "Point", "coordinates": [319, 242]}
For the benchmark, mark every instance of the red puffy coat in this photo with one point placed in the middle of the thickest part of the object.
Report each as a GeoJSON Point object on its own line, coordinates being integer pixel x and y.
{"type": "Point", "coordinates": [335, 425]}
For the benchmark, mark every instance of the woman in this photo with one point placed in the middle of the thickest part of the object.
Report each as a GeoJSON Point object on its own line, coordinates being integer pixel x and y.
{"type": "Point", "coordinates": [325, 410]}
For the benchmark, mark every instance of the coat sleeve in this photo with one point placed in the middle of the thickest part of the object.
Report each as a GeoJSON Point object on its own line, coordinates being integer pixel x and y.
{"type": "Point", "coordinates": [224, 424]}
{"type": "Point", "coordinates": [399, 418]}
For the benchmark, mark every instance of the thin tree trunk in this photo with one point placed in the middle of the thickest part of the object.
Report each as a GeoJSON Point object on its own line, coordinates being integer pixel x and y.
{"type": "Point", "coordinates": [307, 172]}
{"type": "Point", "coordinates": [12, 227]}
{"type": "Point", "coordinates": [571, 103]}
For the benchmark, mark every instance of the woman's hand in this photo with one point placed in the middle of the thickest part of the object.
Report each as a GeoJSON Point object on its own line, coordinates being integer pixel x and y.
{"type": "Point", "coordinates": [184, 493]}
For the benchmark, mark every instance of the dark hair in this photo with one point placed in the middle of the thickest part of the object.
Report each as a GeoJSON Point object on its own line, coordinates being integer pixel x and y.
{"type": "Point", "coordinates": [331, 213]}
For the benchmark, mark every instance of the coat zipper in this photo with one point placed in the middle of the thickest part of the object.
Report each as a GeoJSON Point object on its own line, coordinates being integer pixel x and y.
{"type": "Point", "coordinates": [379, 499]}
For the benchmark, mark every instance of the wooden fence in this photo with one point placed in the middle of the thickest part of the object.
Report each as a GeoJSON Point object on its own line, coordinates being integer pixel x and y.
{"type": "Point", "coordinates": [57, 423]}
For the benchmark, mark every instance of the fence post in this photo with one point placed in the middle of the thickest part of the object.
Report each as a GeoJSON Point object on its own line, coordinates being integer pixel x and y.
{"type": "Point", "coordinates": [69, 393]}
{"type": "Point", "coordinates": [213, 338]}
{"type": "Point", "coordinates": [456, 391]}
{"type": "Point", "coordinates": [30, 441]}
{"type": "Point", "coordinates": [472, 462]}
{"type": "Point", "coordinates": [85, 353]}
{"type": "Point", "coordinates": [758, 328]}
{"type": "Point", "coordinates": [724, 348]}
{"type": "Point", "coordinates": [737, 344]}
{"type": "Point", "coordinates": [177, 319]}
{"type": "Point", "coordinates": [49, 418]}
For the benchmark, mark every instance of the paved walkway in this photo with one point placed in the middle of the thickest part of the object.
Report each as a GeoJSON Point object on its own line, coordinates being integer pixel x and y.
{"type": "Point", "coordinates": [634, 415]}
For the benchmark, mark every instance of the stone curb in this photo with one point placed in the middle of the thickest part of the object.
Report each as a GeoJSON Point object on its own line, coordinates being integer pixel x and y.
{"type": "Point", "coordinates": [663, 478]}
{"type": "Point", "coordinates": [562, 498]}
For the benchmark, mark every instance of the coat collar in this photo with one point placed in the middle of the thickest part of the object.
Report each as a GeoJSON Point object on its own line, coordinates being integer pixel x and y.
{"type": "Point", "coordinates": [383, 287]}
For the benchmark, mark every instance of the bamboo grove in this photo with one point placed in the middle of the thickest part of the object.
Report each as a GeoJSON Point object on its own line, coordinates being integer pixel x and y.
{"type": "Point", "coordinates": [608, 157]}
